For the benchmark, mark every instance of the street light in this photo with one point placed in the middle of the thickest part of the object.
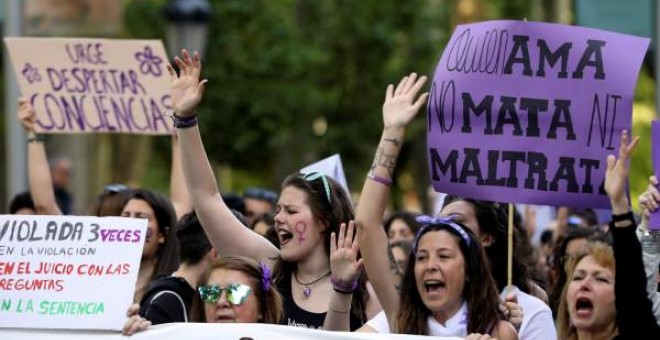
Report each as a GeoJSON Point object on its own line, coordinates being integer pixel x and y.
{"type": "Point", "coordinates": [187, 25]}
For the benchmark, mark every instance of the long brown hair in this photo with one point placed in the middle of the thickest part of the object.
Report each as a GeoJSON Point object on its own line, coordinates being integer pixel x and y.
{"type": "Point", "coordinates": [269, 299]}
{"type": "Point", "coordinates": [604, 256]}
{"type": "Point", "coordinates": [330, 213]}
{"type": "Point", "coordinates": [479, 292]}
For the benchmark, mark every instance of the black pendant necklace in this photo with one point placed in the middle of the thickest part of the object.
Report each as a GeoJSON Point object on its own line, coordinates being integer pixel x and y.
{"type": "Point", "coordinates": [307, 291]}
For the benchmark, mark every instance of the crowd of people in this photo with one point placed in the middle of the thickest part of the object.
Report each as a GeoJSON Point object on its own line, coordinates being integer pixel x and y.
{"type": "Point", "coordinates": [307, 257]}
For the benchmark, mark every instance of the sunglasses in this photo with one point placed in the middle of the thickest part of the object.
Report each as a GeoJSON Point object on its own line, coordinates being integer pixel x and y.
{"type": "Point", "coordinates": [237, 293]}
{"type": "Point", "coordinates": [114, 188]}
{"type": "Point", "coordinates": [312, 176]}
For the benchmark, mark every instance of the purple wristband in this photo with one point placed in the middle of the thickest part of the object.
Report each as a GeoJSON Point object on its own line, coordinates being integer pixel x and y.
{"type": "Point", "coordinates": [381, 180]}
{"type": "Point", "coordinates": [184, 122]}
{"type": "Point", "coordinates": [343, 287]}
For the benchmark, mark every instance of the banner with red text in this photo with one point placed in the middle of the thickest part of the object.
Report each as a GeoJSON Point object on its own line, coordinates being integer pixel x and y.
{"type": "Point", "coordinates": [72, 272]}
{"type": "Point", "coordinates": [81, 85]}
{"type": "Point", "coordinates": [210, 331]}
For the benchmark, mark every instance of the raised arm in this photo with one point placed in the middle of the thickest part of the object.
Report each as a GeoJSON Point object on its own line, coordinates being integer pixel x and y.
{"type": "Point", "coordinates": [225, 231]}
{"type": "Point", "coordinates": [39, 177]}
{"type": "Point", "coordinates": [635, 319]}
{"type": "Point", "coordinates": [616, 177]}
{"type": "Point", "coordinates": [649, 201]}
{"type": "Point", "coordinates": [400, 107]}
{"type": "Point", "coordinates": [178, 191]}
{"type": "Point", "coordinates": [346, 268]}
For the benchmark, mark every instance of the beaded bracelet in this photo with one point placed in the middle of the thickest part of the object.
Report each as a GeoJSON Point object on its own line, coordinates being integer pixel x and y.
{"type": "Point", "coordinates": [381, 180]}
{"type": "Point", "coordinates": [184, 122]}
{"type": "Point", "coordinates": [343, 288]}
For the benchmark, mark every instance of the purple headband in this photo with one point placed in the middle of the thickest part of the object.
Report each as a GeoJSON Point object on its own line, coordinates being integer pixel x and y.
{"type": "Point", "coordinates": [266, 278]}
{"type": "Point", "coordinates": [428, 221]}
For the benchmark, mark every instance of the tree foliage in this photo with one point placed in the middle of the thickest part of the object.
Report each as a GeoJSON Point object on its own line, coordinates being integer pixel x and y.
{"type": "Point", "coordinates": [277, 68]}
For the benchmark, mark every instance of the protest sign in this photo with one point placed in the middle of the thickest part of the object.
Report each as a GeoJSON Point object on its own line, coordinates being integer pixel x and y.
{"type": "Point", "coordinates": [332, 167]}
{"type": "Point", "coordinates": [654, 218]}
{"type": "Point", "coordinates": [68, 272]}
{"type": "Point", "coordinates": [94, 85]}
{"type": "Point", "coordinates": [213, 331]}
{"type": "Point", "coordinates": [527, 112]}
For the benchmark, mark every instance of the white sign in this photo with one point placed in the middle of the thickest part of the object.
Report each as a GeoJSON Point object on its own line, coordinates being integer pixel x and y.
{"type": "Point", "coordinates": [72, 272]}
{"type": "Point", "coordinates": [332, 167]}
{"type": "Point", "coordinates": [212, 331]}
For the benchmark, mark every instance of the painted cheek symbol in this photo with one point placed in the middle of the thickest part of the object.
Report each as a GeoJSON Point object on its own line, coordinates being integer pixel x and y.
{"type": "Point", "coordinates": [300, 229]}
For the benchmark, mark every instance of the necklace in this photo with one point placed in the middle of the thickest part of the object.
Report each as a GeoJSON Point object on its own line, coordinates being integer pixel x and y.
{"type": "Point", "coordinates": [307, 291]}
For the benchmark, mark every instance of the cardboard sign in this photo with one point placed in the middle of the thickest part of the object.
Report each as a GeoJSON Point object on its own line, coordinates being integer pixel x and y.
{"type": "Point", "coordinates": [69, 272]}
{"type": "Point", "coordinates": [527, 112]}
{"type": "Point", "coordinates": [332, 167]}
{"type": "Point", "coordinates": [654, 219]}
{"type": "Point", "coordinates": [94, 85]}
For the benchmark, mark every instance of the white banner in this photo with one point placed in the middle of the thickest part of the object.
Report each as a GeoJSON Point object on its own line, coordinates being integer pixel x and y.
{"type": "Point", "coordinates": [210, 331]}
{"type": "Point", "coordinates": [70, 272]}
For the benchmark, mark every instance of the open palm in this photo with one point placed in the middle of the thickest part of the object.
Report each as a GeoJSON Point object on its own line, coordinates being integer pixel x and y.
{"type": "Point", "coordinates": [187, 90]}
{"type": "Point", "coordinates": [401, 103]}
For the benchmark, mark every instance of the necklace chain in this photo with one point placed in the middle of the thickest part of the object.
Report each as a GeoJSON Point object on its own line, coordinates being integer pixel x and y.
{"type": "Point", "coordinates": [307, 291]}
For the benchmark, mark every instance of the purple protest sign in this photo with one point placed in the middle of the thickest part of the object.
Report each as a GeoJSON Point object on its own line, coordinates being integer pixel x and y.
{"type": "Point", "coordinates": [654, 221]}
{"type": "Point", "coordinates": [527, 112]}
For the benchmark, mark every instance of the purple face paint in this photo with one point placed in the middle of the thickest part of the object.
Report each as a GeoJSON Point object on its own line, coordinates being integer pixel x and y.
{"type": "Point", "coordinates": [300, 229]}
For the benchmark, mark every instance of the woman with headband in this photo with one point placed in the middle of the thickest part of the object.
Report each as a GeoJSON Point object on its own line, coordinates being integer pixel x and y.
{"type": "Point", "coordinates": [447, 290]}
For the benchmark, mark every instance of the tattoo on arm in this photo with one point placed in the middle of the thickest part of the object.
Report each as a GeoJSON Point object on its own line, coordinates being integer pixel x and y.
{"type": "Point", "coordinates": [394, 269]}
{"type": "Point", "coordinates": [393, 141]}
{"type": "Point", "coordinates": [385, 160]}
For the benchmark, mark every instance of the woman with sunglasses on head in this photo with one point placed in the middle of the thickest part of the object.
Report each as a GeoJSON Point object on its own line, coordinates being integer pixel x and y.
{"type": "Point", "coordinates": [446, 288]}
{"type": "Point", "coordinates": [605, 296]}
{"type": "Point", "coordinates": [233, 289]}
{"type": "Point", "coordinates": [309, 208]}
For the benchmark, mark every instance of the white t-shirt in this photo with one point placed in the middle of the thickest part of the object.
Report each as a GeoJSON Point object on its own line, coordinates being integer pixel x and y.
{"type": "Point", "coordinates": [537, 320]}
{"type": "Point", "coordinates": [537, 317]}
{"type": "Point", "coordinates": [456, 325]}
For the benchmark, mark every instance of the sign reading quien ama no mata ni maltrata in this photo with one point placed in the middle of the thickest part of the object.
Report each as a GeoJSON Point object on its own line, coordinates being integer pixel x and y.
{"type": "Point", "coordinates": [527, 112]}
{"type": "Point", "coordinates": [80, 85]}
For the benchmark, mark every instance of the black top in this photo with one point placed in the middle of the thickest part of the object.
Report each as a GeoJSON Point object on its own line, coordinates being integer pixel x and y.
{"type": "Point", "coordinates": [634, 313]}
{"type": "Point", "coordinates": [298, 317]}
{"type": "Point", "coordinates": [168, 299]}
{"type": "Point", "coordinates": [64, 200]}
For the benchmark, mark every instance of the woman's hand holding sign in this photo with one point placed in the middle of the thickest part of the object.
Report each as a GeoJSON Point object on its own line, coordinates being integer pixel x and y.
{"type": "Point", "coordinates": [135, 323]}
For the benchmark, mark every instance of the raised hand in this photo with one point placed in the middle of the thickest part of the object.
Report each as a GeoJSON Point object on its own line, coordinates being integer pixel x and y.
{"type": "Point", "coordinates": [26, 115]}
{"type": "Point", "coordinates": [344, 264]}
{"type": "Point", "coordinates": [187, 90]}
{"type": "Point", "coordinates": [616, 176]}
{"type": "Point", "coordinates": [402, 104]}
{"type": "Point", "coordinates": [649, 199]}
